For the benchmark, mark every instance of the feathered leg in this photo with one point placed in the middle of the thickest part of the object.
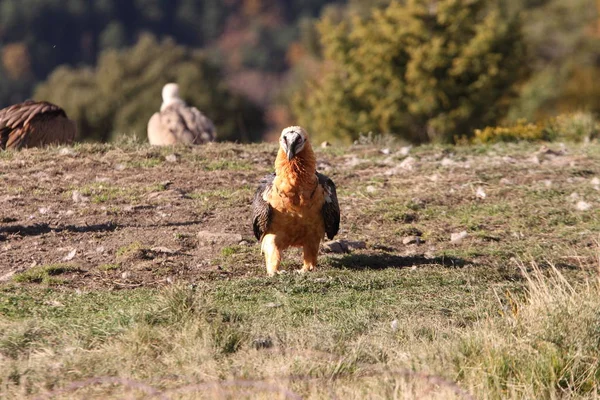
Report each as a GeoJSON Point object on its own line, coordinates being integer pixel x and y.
{"type": "Point", "coordinates": [311, 251]}
{"type": "Point", "coordinates": [272, 254]}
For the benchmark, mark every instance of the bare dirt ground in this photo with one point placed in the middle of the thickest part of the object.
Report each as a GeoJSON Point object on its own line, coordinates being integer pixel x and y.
{"type": "Point", "coordinates": [141, 216]}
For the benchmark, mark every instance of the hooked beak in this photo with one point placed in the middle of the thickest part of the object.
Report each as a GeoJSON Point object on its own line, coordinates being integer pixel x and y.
{"type": "Point", "coordinates": [290, 147]}
{"type": "Point", "coordinates": [291, 151]}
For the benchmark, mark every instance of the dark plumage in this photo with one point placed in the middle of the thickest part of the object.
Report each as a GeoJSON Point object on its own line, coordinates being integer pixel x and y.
{"type": "Point", "coordinates": [331, 208]}
{"type": "Point", "coordinates": [261, 209]}
{"type": "Point", "coordinates": [34, 124]}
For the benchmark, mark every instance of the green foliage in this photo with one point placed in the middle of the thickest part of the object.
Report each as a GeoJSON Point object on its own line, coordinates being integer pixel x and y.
{"type": "Point", "coordinates": [44, 274]}
{"type": "Point", "coordinates": [576, 127]}
{"type": "Point", "coordinates": [423, 71]}
{"type": "Point", "coordinates": [513, 133]}
{"type": "Point", "coordinates": [572, 127]}
{"type": "Point", "coordinates": [124, 90]}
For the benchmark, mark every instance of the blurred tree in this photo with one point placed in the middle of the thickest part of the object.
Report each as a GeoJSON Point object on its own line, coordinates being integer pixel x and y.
{"type": "Point", "coordinates": [427, 70]}
{"type": "Point", "coordinates": [563, 49]}
{"type": "Point", "coordinates": [124, 90]}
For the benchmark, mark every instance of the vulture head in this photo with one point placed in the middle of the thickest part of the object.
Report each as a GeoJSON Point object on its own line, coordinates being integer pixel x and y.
{"type": "Point", "coordinates": [170, 95]}
{"type": "Point", "coordinates": [292, 140]}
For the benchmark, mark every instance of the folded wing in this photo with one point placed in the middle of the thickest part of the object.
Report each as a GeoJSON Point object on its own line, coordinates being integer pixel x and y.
{"type": "Point", "coordinates": [34, 123]}
{"type": "Point", "coordinates": [261, 209]}
{"type": "Point", "coordinates": [331, 207]}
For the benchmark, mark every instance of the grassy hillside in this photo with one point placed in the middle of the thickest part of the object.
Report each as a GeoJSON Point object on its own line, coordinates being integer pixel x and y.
{"type": "Point", "coordinates": [132, 271]}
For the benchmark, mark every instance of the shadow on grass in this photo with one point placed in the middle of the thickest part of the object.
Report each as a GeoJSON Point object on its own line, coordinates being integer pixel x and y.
{"type": "Point", "coordinates": [41, 229]}
{"type": "Point", "coordinates": [386, 260]}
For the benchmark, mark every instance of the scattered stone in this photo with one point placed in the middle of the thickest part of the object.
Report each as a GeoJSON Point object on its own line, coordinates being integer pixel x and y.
{"type": "Point", "coordinates": [480, 193]}
{"type": "Point", "coordinates": [273, 305]}
{"type": "Point", "coordinates": [120, 167]}
{"type": "Point", "coordinates": [262, 343]}
{"type": "Point", "coordinates": [79, 198]}
{"type": "Point", "coordinates": [226, 239]}
{"type": "Point", "coordinates": [385, 151]}
{"type": "Point", "coordinates": [505, 182]}
{"type": "Point", "coordinates": [404, 151]}
{"type": "Point", "coordinates": [408, 163]}
{"type": "Point", "coordinates": [573, 197]}
{"type": "Point", "coordinates": [333, 247]}
{"type": "Point", "coordinates": [447, 162]}
{"type": "Point", "coordinates": [43, 210]}
{"type": "Point", "coordinates": [70, 256]}
{"type": "Point", "coordinates": [125, 275]}
{"type": "Point", "coordinates": [100, 249]}
{"type": "Point", "coordinates": [6, 277]}
{"type": "Point", "coordinates": [343, 246]}
{"type": "Point", "coordinates": [411, 240]}
{"type": "Point", "coordinates": [354, 245]}
{"type": "Point", "coordinates": [394, 325]}
{"type": "Point", "coordinates": [325, 144]}
{"type": "Point", "coordinates": [595, 182]}
{"type": "Point", "coordinates": [534, 160]}
{"type": "Point", "coordinates": [172, 158]}
{"type": "Point", "coordinates": [164, 250]}
{"type": "Point", "coordinates": [547, 183]}
{"type": "Point", "coordinates": [66, 151]}
{"type": "Point", "coordinates": [583, 206]}
{"type": "Point", "coordinates": [458, 237]}
{"type": "Point", "coordinates": [371, 189]}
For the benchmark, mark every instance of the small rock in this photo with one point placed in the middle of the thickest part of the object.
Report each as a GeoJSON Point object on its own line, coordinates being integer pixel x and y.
{"type": "Point", "coordinates": [480, 193]}
{"type": "Point", "coordinates": [405, 150]}
{"type": "Point", "coordinates": [125, 275]}
{"type": "Point", "coordinates": [262, 343]}
{"type": "Point", "coordinates": [408, 163]}
{"type": "Point", "coordinates": [595, 181]}
{"type": "Point", "coordinates": [447, 162]}
{"type": "Point", "coordinates": [505, 182]}
{"type": "Point", "coordinates": [583, 206]}
{"type": "Point", "coordinates": [325, 144]}
{"type": "Point", "coordinates": [354, 245]}
{"type": "Point", "coordinates": [547, 183]}
{"type": "Point", "coordinates": [385, 151]}
{"type": "Point", "coordinates": [273, 305]}
{"type": "Point", "coordinates": [172, 158]}
{"type": "Point", "coordinates": [66, 151]}
{"type": "Point", "coordinates": [164, 250]}
{"type": "Point", "coordinates": [43, 210]}
{"type": "Point", "coordinates": [100, 249]}
{"type": "Point", "coordinates": [411, 240]}
{"type": "Point", "coordinates": [573, 197]}
{"type": "Point", "coordinates": [534, 160]}
{"type": "Point", "coordinates": [394, 325]}
{"type": "Point", "coordinates": [458, 237]}
{"type": "Point", "coordinates": [226, 239]}
{"type": "Point", "coordinates": [79, 198]}
{"type": "Point", "coordinates": [371, 189]}
{"type": "Point", "coordinates": [70, 256]}
{"type": "Point", "coordinates": [343, 246]}
{"type": "Point", "coordinates": [333, 247]}
{"type": "Point", "coordinates": [120, 167]}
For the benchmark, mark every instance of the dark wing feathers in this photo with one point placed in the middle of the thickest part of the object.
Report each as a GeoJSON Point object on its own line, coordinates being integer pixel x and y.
{"type": "Point", "coordinates": [14, 120]}
{"type": "Point", "coordinates": [331, 207]}
{"type": "Point", "coordinates": [261, 209]}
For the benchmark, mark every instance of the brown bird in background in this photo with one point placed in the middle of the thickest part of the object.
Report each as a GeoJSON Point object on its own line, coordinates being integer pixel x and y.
{"type": "Point", "coordinates": [176, 122]}
{"type": "Point", "coordinates": [35, 124]}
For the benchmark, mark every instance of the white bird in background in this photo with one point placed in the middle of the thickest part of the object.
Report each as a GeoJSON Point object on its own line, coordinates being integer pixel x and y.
{"type": "Point", "coordinates": [176, 122]}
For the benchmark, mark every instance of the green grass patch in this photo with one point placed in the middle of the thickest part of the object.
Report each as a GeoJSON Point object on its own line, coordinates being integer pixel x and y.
{"type": "Point", "coordinates": [46, 274]}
